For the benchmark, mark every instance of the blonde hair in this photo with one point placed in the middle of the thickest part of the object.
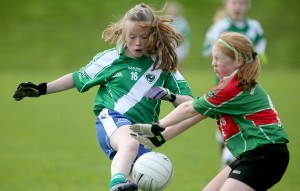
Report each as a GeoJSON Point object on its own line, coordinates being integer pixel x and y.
{"type": "Point", "coordinates": [247, 1]}
{"type": "Point", "coordinates": [163, 38]}
{"type": "Point", "coordinates": [221, 13]}
{"type": "Point", "coordinates": [237, 46]}
{"type": "Point", "coordinates": [173, 9]}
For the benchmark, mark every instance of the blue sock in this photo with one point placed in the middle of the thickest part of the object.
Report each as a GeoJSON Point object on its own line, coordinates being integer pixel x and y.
{"type": "Point", "coordinates": [116, 179]}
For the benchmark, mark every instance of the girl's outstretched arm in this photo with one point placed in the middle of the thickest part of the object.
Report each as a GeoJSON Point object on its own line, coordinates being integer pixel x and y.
{"type": "Point", "coordinates": [180, 113]}
{"type": "Point", "coordinates": [61, 84]}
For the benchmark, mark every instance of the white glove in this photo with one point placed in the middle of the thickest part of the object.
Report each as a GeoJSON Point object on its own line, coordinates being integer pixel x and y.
{"type": "Point", "coordinates": [143, 140]}
{"type": "Point", "coordinates": [148, 134]}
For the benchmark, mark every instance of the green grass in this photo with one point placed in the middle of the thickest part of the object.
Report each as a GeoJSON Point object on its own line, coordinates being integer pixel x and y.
{"type": "Point", "coordinates": [49, 143]}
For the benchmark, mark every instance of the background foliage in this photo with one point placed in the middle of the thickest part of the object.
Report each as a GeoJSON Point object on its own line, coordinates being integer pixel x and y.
{"type": "Point", "coordinates": [49, 143]}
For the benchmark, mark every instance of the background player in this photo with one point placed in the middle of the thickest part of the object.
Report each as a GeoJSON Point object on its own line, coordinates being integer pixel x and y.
{"type": "Point", "coordinates": [181, 24]}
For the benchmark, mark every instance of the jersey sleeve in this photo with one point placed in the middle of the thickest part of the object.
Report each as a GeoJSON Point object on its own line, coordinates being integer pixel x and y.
{"type": "Point", "coordinates": [95, 72]}
{"type": "Point", "coordinates": [203, 107]}
{"type": "Point", "coordinates": [211, 108]}
{"type": "Point", "coordinates": [225, 98]}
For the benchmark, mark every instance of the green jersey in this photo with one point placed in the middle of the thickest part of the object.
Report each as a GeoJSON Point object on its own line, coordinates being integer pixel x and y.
{"type": "Point", "coordinates": [249, 27]}
{"type": "Point", "coordinates": [246, 119]}
{"type": "Point", "coordinates": [123, 82]}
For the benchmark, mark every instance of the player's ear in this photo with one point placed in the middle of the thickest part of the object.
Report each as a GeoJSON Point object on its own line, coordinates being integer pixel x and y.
{"type": "Point", "coordinates": [239, 62]}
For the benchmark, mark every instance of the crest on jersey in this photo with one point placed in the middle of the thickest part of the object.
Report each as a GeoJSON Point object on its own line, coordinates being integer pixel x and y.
{"type": "Point", "coordinates": [150, 78]}
{"type": "Point", "coordinates": [211, 94]}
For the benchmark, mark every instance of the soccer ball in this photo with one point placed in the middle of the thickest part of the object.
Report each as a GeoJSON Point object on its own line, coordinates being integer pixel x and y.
{"type": "Point", "coordinates": [153, 171]}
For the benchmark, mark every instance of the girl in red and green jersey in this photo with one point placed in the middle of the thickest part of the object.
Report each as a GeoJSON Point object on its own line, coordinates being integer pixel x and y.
{"type": "Point", "coordinates": [246, 119]}
{"type": "Point", "coordinates": [244, 113]}
{"type": "Point", "coordinates": [233, 18]}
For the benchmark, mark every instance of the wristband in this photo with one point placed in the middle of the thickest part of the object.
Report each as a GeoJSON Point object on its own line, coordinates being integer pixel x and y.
{"type": "Point", "coordinates": [42, 87]}
{"type": "Point", "coordinates": [156, 128]}
{"type": "Point", "coordinates": [173, 97]}
{"type": "Point", "coordinates": [158, 140]}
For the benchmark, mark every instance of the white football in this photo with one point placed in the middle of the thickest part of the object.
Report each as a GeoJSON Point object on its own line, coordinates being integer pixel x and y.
{"type": "Point", "coordinates": [153, 171]}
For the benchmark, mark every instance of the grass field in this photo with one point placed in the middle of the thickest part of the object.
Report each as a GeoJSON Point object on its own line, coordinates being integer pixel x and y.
{"type": "Point", "coordinates": [49, 143]}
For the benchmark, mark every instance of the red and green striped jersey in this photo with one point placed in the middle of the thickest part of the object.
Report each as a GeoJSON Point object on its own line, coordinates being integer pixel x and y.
{"type": "Point", "coordinates": [246, 119]}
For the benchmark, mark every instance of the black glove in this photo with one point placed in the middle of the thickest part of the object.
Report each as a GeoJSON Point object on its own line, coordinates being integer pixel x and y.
{"type": "Point", "coordinates": [160, 93]}
{"type": "Point", "coordinates": [158, 140]}
{"type": "Point", "coordinates": [148, 134]}
{"type": "Point", "coordinates": [29, 89]}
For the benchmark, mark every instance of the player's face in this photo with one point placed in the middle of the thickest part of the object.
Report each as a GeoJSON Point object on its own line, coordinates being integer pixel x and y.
{"type": "Point", "coordinates": [222, 64]}
{"type": "Point", "coordinates": [136, 39]}
{"type": "Point", "coordinates": [236, 9]}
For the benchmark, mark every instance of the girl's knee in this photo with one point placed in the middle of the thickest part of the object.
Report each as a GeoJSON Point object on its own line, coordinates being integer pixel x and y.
{"type": "Point", "coordinates": [130, 145]}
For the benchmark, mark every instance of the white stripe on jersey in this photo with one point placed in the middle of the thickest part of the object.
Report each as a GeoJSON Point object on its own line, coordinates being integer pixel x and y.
{"type": "Point", "coordinates": [100, 62]}
{"type": "Point", "coordinates": [137, 91]}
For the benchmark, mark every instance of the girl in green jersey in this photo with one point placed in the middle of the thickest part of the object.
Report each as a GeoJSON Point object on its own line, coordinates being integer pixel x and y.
{"type": "Point", "coordinates": [245, 115]}
{"type": "Point", "coordinates": [132, 79]}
